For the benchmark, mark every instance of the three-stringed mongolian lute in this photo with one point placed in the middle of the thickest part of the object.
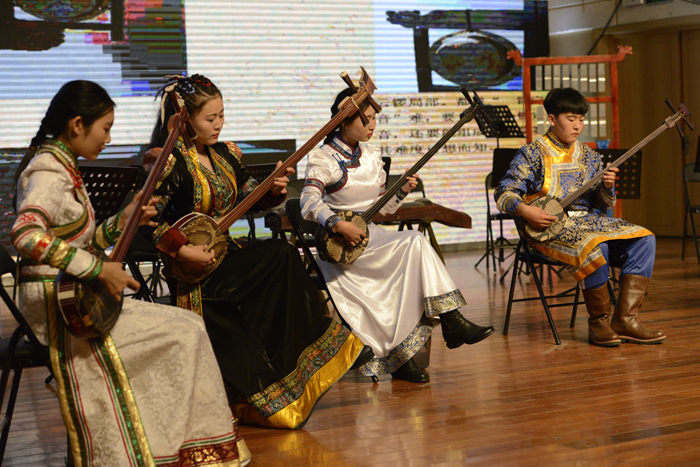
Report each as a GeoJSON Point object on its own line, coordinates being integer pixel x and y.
{"type": "Point", "coordinates": [333, 247]}
{"type": "Point", "coordinates": [558, 208]}
{"type": "Point", "coordinates": [201, 229]}
{"type": "Point", "coordinates": [87, 308]}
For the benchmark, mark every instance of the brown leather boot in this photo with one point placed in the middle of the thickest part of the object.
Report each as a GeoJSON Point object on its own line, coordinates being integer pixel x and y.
{"type": "Point", "coordinates": [599, 313]}
{"type": "Point", "coordinates": [625, 323]}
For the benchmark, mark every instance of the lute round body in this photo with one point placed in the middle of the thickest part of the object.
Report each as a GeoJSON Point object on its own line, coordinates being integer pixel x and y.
{"type": "Point", "coordinates": [333, 247]}
{"type": "Point", "coordinates": [200, 229]}
{"type": "Point", "coordinates": [88, 309]}
{"type": "Point", "coordinates": [552, 207]}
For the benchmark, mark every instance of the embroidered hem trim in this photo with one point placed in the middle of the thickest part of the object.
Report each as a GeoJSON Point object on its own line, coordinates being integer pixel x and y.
{"type": "Point", "coordinates": [220, 452]}
{"type": "Point", "coordinates": [294, 414]}
{"type": "Point", "coordinates": [444, 303]}
{"type": "Point", "coordinates": [282, 393]}
{"type": "Point", "coordinates": [577, 265]}
{"type": "Point", "coordinates": [402, 352]}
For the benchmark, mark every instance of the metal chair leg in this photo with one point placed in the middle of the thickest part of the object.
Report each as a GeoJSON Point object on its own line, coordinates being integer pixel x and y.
{"type": "Point", "coordinates": [695, 236]}
{"type": "Point", "coordinates": [489, 247]}
{"type": "Point", "coordinates": [685, 228]}
{"type": "Point", "coordinates": [543, 299]}
{"type": "Point", "coordinates": [512, 287]}
{"type": "Point", "coordinates": [143, 291]}
{"type": "Point", "coordinates": [573, 312]}
{"type": "Point", "coordinates": [9, 410]}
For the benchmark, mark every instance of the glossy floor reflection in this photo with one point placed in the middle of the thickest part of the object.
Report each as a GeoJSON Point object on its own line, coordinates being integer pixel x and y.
{"type": "Point", "coordinates": [515, 400]}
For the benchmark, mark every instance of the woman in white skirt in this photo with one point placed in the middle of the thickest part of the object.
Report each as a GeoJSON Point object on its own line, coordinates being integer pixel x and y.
{"type": "Point", "coordinates": [391, 294]}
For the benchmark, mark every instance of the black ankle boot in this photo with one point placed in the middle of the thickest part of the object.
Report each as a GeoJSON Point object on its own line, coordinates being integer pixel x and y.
{"type": "Point", "coordinates": [457, 330]}
{"type": "Point", "coordinates": [366, 354]}
{"type": "Point", "coordinates": [410, 372]}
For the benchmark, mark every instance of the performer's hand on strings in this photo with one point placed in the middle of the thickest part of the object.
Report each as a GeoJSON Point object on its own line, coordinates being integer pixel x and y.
{"type": "Point", "coordinates": [411, 183]}
{"type": "Point", "coordinates": [280, 186]}
{"type": "Point", "coordinates": [535, 216]}
{"type": "Point", "coordinates": [196, 256]}
{"type": "Point", "coordinates": [350, 232]}
{"type": "Point", "coordinates": [115, 279]}
{"type": "Point", "coordinates": [609, 176]}
{"type": "Point", "coordinates": [148, 212]}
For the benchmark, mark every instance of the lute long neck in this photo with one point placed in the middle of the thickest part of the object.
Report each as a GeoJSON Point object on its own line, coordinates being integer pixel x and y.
{"type": "Point", "coordinates": [466, 116]}
{"type": "Point", "coordinates": [668, 123]}
{"type": "Point", "coordinates": [132, 224]}
{"type": "Point", "coordinates": [244, 206]}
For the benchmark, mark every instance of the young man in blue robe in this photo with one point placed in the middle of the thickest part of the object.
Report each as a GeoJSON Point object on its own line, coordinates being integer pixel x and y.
{"type": "Point", "coordinates": [557, 164]}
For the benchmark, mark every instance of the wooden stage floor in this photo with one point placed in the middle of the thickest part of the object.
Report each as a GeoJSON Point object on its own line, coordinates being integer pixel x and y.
{"type": "Point", "coordinates": [515, 400]}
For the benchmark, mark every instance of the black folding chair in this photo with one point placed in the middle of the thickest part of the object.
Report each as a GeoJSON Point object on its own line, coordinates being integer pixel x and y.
{"type": "Point", "coordinates": [304, 233]}
{"type": "Point", "coordinates": [22, 350]}
{"type": "Point", "coordinates": [533, 258]}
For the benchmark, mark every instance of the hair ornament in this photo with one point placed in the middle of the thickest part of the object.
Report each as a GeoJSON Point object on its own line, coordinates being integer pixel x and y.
{"type": "Point", "coordinates": [177, 83]}
{"type": "Point", "coordinates": [172, 80]}
{"type": "Point", "coordinates": [201, 80]}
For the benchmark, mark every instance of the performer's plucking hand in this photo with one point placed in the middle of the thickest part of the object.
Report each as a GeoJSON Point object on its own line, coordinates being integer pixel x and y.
{"type": "Point", "coordinates": [350, 232]}
{"type": "Point", "coordinates": [535, 216]}
{"type": "Point", "coordinates": [115, 279]}
{"type": "Point", "coordinates": [196, 256]}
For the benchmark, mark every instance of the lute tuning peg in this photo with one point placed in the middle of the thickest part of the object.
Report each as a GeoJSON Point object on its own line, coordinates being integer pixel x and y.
{"type": "Point", "coordinates": [685, 114]}
{"type": "Point", "coordinates": [377, 108]}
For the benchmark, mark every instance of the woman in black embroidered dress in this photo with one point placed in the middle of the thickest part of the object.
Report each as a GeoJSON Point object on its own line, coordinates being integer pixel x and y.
{"type": "Point", "coordinates": [277, 352]}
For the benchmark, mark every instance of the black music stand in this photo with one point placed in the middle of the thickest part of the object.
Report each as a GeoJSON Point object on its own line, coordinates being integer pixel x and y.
{"type": "Point", "coordinates": [259, 172]}
{"type": "Point", "coordinates": [109, 189]}
{"type": "Point", "coordinates": [501, 163]}
{"type": "Point", "coordinates": [629, 178]}
{"type": "Point", "coordinates": [499, 124]}
{"type": "Point", "coordinates": [502, 124]}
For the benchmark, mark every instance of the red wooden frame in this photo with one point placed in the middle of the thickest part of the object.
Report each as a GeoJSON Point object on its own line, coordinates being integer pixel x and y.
{"type": "Point", "coordinates": [526, 63]}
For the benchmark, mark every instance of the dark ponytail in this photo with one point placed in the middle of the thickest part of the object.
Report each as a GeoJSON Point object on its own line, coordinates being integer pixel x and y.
{"type": "Point", "coordinates": [364, 105]}
{"type": "Point", "coordinates": [83, 99]}
{"type": "Point", "coordinates": [195, 91]}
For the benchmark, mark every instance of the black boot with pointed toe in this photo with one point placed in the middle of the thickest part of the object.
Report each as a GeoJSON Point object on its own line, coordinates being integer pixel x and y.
{"type": "Point", "coordinates": [410, 372]}
{"type": "Point", "coordinates": [457, 330]}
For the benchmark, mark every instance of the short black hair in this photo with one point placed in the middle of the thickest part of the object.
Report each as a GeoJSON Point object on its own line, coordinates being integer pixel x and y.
{"type": "Point", "coordinates": [562, 100]}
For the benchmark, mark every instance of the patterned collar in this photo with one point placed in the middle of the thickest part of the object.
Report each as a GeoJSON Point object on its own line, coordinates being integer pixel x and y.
{"type": "Point", "coordinates": [559, 146]}
{"type": "Point", "coordinates": [204, 201]}
{"type": "Point", "coordinates": [69, 157]}
{"type": "Point", "coordinates": [344, 149]}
